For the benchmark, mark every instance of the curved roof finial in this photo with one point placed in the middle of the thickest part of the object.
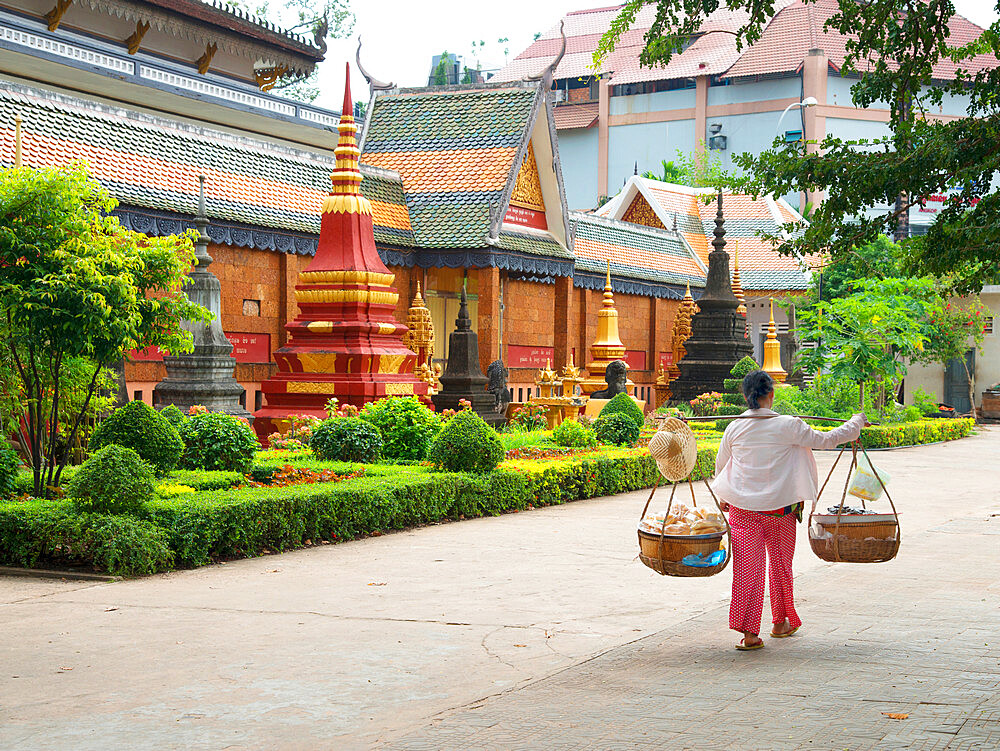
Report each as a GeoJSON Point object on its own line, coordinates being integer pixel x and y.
{"type": "Point", "coordinates": [373, 83]}
{"type": "Point", "coordinates": [547, 76]}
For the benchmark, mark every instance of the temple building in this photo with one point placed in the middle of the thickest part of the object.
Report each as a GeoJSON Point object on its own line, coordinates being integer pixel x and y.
{"type": "Point", "coordinates": [465, 185]}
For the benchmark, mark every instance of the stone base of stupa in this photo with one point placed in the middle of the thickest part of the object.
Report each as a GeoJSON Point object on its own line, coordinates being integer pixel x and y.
{"type": "Point", "coordinates": [201, 381]}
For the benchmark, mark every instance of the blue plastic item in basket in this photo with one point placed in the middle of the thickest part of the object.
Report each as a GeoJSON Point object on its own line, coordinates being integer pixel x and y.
{"type": "Point", "coordinates": [696, 560]}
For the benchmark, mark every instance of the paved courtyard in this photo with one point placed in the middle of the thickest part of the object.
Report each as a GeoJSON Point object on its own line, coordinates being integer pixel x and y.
{"type": "Point", "coordinates": [537, 630]}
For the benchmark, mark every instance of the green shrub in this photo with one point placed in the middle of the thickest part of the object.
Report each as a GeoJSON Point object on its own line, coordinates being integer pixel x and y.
{"type": "Point", "coordinates": [617, 429]}
{"type": "Point", "coordinates": [467, 444]}
{"type": "Point", "coordinates": [623, 404]}
{"type": "Point", "coordinates": [144, 430]}
{"type": "Point", "coordinates": [925, 403]}
{"type": "Point", "coordinates": [217, 441]}
{"type": "Point", "coordinates": [572, 433]}
{"type": "Point", "coordinates": [733, 385]}
{"type": "Point", "coordinates": [406, 425]}
{"type": "Point", "coordinates": [347, 439]}
{"type": "Point", "coordinates": [743, 367]}
{"type": "Point", "coordinates": [112, 481]}
{"type": "Point", "coordinates": [54, 531]}
{"type": "Point", "coordinates": [9, 467]}
{"type": "Point", "coordinates": [173, 415]}
{"type": "Point", "coordinates": [528, 417]}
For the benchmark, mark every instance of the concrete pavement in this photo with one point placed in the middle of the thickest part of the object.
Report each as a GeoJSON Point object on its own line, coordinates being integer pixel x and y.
{"type": "Point", "coordinates": [532, 630]}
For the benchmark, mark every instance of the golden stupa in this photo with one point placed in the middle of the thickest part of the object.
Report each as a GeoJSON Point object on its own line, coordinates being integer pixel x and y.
{"type": "Point", "coordinates": [607, 347]}
{"type": "Point", "coordinates": [772, 352]}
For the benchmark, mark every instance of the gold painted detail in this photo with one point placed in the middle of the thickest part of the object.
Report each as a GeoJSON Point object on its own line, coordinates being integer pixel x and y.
{"type": "Point", "coordinates": [306, 387]}
{"type": "Point", "coordinates": [390, 363]}
{"type": "Point", "coordinates": [608, 345]}
{"type": "Point", "coordinates": [345, 295]}
{"type": "Point", "coordinates": [318, 362]}
{"type": "Point", "coordinates": [386, 328]}
{"type": "Point", "coordinates": [346, 277]}
{"type": "Point", "coordinates": [419, 337]}
{"type": "Point", "coordinates": [681, 332]}
{"type": "Point", "coordinates": [640, 212]}
{"type": "Point", "coordinates": [320, 327]}
{"type": "Point", "coordinates": [54, 16]}
{"type": "Point", "coordinates": [346, 204]}
{"type": "Point", "coordinates": [398, 389]}
{"type": "Point", "coordinates": [772, 352]}
{"type": "Point", "coordinates": [736, 284]}
{"type": "Point", "coordinates": [205, 60]}
{"type": "Point", "coordinates": [267, 77]}
{"type": "Point", "coordinates": [133, 42]}
{"type": "Point", "coordinates": [527, 187]}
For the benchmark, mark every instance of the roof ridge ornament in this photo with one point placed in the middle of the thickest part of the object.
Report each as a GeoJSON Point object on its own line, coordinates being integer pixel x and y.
{"type": "Point", "coordinates": [547, 75]}
{"type": "Point", "coordinates": [373, 83]}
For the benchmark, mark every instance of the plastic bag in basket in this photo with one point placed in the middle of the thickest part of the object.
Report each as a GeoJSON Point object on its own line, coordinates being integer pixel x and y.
{"type": "Point", "coordinates": [865, 484]}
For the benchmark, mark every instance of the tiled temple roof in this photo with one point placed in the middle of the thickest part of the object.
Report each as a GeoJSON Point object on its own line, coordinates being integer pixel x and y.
{"type": "Point", "coordinates": [660, 204]}
{"type": "Point", "coordinates": [634, 251]}
{"type": "Point", "coordinates": [150, 162]}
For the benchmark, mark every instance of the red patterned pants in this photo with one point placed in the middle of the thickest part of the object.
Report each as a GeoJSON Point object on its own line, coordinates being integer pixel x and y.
{"type": "Point", "coordinates": [759, 539]}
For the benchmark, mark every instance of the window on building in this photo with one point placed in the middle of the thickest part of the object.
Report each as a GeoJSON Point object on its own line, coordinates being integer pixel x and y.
{"type": "Point", "coordinates": [793, 136]}
{"type": "Point", "coordinates": [258, 400]}
{"type": "Point", "coordinates": [137, 396]}
{"type": "Point", "coordinates": [251, 308]}
{"type": "Point", "coordinates": [988, 326]}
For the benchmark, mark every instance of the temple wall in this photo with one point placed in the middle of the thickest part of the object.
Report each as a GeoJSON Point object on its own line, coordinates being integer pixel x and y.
{"type": "Point", "coordinates": [537, 320]}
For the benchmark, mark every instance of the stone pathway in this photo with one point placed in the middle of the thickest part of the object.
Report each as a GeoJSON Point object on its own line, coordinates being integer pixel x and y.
{"type": "Point", "coordinates": [537, 630]}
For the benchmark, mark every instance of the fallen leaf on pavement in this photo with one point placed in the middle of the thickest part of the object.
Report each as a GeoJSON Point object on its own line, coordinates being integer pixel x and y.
{"type": "Point", "coordinates": [62, 668]}
{"type": "Point", "coordinates": [377, 584]}
{"type": "Point", "coordinates": [896, 715]}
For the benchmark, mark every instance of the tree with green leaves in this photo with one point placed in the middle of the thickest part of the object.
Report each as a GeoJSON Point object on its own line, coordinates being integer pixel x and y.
{"type": "Point", "coordinates": [879, 259]}
{"type": "Point", "coordinates": [699, 170]}
{"type": "Point", "coordinates": [871, 334]}
{"type": "Point", "coordinates": [78, 290]}
{"type": "Point", "coordinates": [894, 48]}
{"type": "Point", "coordinates": [957, 327]}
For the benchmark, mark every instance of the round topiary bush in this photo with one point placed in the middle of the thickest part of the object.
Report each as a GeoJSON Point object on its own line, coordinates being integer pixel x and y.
{"type": "Point", "coordinates": [144, 430]}
{"type": "Point", "coordinates": [174, 416]}
{"type": "Point", "coordinates": [572, 433]}
{"type": "Point", "coordinates": [406, 425]}
{"type": "Point", "coordinates": [217, 441]}
{"type": "Point", "coordinates": [9, 464]}
{"type": "Point", "coordinates": [617, 429]}
{"type": "Point", "coordinates": [467, 444]}
{"type": "Point", "coordinates": [115, 480]}
{"type": "Point", "coordinates": [623, 404]}
{"type": "Point", "coordinates": [347, 439]}
{"type": "Point", "coordinates": [743, 367]}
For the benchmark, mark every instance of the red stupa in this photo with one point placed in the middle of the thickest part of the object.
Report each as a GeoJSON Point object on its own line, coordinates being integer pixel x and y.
{"type": "Point", "coordinates": [345, 341]}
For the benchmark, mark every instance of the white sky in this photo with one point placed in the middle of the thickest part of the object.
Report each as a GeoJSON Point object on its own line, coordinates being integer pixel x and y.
{"type": "Point", "coordinates": [401, 36]}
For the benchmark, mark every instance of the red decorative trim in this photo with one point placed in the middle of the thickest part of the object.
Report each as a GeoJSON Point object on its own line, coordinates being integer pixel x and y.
{"type": "Point", "coordinates": [635, 359]}
{"type": "Point", "coordinates": [526, 217]}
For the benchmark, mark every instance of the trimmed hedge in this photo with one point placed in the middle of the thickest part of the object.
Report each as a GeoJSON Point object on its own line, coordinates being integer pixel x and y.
{"type": "Point", "coordinates": [141, 428]}
{"type": "Point", "coordinates": [194, 529]}
{"type": "Point", "coordinates": [915, 433]}
{"type": "Point", "coordinates": [623, 404]}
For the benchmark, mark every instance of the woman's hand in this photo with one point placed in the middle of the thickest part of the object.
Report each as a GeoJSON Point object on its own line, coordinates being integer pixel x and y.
{"type": "Point", "coordinates": [724, 506]}
{"type": "Point", "coordinates": [864, 420]}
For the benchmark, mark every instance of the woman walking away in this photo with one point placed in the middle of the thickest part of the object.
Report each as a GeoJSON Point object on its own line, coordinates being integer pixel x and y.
{"type": "Point", "coordinates": [764, 472]}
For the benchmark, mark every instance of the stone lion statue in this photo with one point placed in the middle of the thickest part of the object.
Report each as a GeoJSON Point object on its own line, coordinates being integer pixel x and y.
{"type": "Point", "coordinates": [497, 375]}
{"type": "Point", "coordinates": [616, 376]}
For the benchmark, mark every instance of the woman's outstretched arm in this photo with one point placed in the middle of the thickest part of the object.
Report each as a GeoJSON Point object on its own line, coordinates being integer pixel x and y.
{"type": "Point", "coordinates": [803, 435]}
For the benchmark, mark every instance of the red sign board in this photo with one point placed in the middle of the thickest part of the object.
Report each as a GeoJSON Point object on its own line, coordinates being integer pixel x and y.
{"type": "Point", "coordinates": [666, 359]}
{"type": "Point", "coordinates": [635, 359]}
{"type": "Point", "coordinates": [254, 348]}
{"type": "Point", "coordinates": [521, 356]}
{"type": "Point", "coordinates": [526, 217]}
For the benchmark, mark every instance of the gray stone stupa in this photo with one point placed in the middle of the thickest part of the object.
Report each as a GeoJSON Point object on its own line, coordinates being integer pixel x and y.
{"type": "Point", "coordinates": [463, 379]}
{"type": "Point", "coordinates": [206, 375]}
{"type": "Point", "coordinates": [717, 340]}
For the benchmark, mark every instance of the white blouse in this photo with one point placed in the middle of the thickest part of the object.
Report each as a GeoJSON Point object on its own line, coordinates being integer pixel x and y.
{"type": "Point", "coordinates": [767, 464]}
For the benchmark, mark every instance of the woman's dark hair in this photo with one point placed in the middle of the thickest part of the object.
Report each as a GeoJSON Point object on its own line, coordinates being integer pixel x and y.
{"type": "Point", "coordinates": [756, 385]}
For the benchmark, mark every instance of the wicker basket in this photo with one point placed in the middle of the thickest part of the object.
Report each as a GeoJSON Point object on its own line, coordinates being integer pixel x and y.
{"type": "Point", "coordinates": [843, 549]}
{"type": "Point", "coordinates": [861, 530]}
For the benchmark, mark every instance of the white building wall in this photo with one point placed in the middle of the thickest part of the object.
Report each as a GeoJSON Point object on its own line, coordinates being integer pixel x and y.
{"type": "Point", "coordinates": [645, 143]}
{"type": "Point", "coordinates": [578, 157]}
{"type": "Point", "coordinates": [755, 91]}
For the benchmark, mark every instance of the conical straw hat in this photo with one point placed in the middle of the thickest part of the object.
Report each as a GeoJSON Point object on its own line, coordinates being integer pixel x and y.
{"type": "Point", "coordinates": [674, 449]}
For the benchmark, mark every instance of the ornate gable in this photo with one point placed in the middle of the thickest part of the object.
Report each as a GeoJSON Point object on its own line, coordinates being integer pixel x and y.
{"type": "Point", "coordinates": [640, 212]}
{"type": "Point", "coordinates": [527, 207]}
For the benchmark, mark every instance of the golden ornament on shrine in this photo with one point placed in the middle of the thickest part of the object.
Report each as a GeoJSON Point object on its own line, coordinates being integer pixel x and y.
{"type": "Point", "coordinates": [546, 379]}
{"type": "Point", "coordinates": [737, 286]}
{"type": "Point", "coordinates": [681, 332]}
{"type": "Point", "coordinates": [607, 347]}
{"type": "Point", "coordinates": [570, 377]}
{"type": "Point", "coordinates": [772, 352]}
{"type": "Point", "coordinates": [420, 334]}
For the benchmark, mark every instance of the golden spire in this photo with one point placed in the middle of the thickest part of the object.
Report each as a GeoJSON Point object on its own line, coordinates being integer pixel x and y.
{"type": "Point", "coordinates": [345, 196]}
{"type": "Point", "coordinates": [17, 141]}
{"type": "Point", "coordinates": [737, 286]}
{"type": "Point", "coordinates": [607, 347]}
{"type": "Point", "coordinates": [772, 352]}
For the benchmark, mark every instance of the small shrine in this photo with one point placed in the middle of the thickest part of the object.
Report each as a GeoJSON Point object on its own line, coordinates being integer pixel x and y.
{"type": "Point", "coordinates": [419, 337]}
{"type": "Point", "coordinates": [463, 379]}
{"type": "Point", "coordinates": [345, 341]}
{"type": "Point", "coordinates": [717, 340]}
{"type": "Point", "coordinates": [772, 352]}
{"type": "Point", "coordinates": [205, 376]}
{"type": "Point", "coordinates": [558, 393]}
{"type": "Point", "coordinates": [607, 347]}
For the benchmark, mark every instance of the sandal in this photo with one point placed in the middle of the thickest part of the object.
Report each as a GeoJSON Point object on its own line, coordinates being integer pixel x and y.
{"type": "Point", "coordinates": [784, 635]}
{"type": "Point", "coordinates": [744, 647]}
